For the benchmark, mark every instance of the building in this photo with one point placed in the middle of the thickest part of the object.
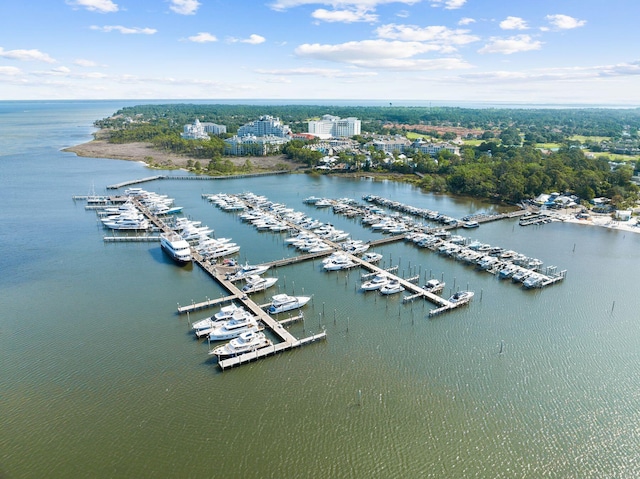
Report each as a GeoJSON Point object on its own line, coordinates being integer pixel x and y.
{"type": "Point", "coordinates": [434, 148]}
{"type": "Point", "coordinates": [333, 126]}
{"type": "Point", "coordinates": [266, 125]}
{"type": "Point", "coordinates": [213, 128]}
{"type": "Point", "coordinates": [194, 131]}
{"type": "Point", "coordinates": [253, 145]}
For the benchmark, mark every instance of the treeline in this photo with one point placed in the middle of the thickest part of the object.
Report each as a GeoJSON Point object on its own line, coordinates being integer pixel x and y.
{"type": "Point", "coordinates": [541, 124]}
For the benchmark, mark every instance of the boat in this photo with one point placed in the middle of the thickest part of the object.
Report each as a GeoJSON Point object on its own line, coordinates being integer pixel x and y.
{"type": "Point", "coordinates": [176, 247]}
{"type": "Point", "coordinates": [392, 287]}
{"type": "Point", "coordinates": [283, 302]}
{"type": "Point", "coordinates": [246, 342]}
{"type": "Point", "coordinates": [470, 224]}
{"type": "Point", "coordinates": [434, 286]}
{"type": "Point", "coordinates": [371, 257]}
{"type": "Point", "coordinates": [137, 223]}
{"type": "Point", "coordinates": [377, 282]}
{"type": "Point", "coordinates": [246, 271]}
{"type": "Point", "coordinates": [241, 322]}
{"type": "Point", "coordinates": [257, 283]}
{"type": "Point", "coordinates": [461, 297]}
{"type": "Point", "coordinates": [339, 262]}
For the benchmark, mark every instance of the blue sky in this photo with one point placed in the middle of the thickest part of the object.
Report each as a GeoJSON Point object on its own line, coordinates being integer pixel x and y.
{"type": "Point", "coordinates": [538, 51]}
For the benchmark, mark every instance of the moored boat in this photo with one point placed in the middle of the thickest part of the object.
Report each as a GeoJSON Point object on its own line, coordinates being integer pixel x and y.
{"type": "Point", "coordinates": [246, 342]}
{"type": "Point", "coordinates": [283, 302]}
{"type": "Point", "coordinates": [434, 286]}
{"type": "Point", "coordinates": [377, 282]}
{"type": "Point", "coordinates": [257, 283]}
{"type": "Point", "coordinates": [392, 287]}
{"type": "Point", "coordinates": [461, 297]}
{"type": "Point", "coordinates": [176, 247]}
{"type": "Point", "coordinates": [241, 322]}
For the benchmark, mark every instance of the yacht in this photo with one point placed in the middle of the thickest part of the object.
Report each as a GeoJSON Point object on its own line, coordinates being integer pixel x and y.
{"type": "Point", "coordinates": [257, 283]}
{"type": "Point", "coordinates": [461, 297]}
{"type": "Point", "coordinates": [378, 281]}
{"type": "Point", "coordinates": [283, 302]}
{"type": "Point", "coordinates": [337, 263]}
{"type": "Point", "coordinates": [434, 286]}
{"type": "Point", "coordinates": [392, 287]}
{"type": "Point", "coordinates": [241, 322]}
{"type": "Point", "coordinates": [176, 247]}
{"type": "Point", "coordinates": [246, 271]}
{"type": "Point", "coordinates": [371, 257]}
{"type": "Point", "coordinates": [246, 342]}
{"type": "Point", "coordinates": [137, 223]}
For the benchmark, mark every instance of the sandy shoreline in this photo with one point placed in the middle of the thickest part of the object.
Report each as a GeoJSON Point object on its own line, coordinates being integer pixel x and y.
{"type": "Point", "coordinates": [601, 220]}
{"type": "Point", "coordinates": [146, 153]}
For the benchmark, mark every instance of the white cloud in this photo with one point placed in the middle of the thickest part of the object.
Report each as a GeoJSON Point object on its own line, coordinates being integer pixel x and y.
{"type": "Point", "coordinates": [344, 16]}
{"type": "Point", "coordinates": [448, 4]}
{"type": "Point", "coordinates": [376, 54]}
{"type": "Point", "coordinates": [252, 40]}
{"type": "Point", "coordinates": [357, 4]}
{"type": "Point", "coordinates": [26, 55]}
{"type": "Point", "coordinates": [403, 14]}
{"type": "Point", "coordinates": [507, 46]}
{"type": "Point", "coordinates": [466, 21]}
{"type": "Point", "coordinates": [184, 7]}
{"type": "Point", "coordinates": [513, 23]}
{"type": "Point", "coordinates": [60, 70]}
{"type": "Point", "coordinates": [101, 6]}
{"type": "Point", "coordinates": [321, 72]}
{"type": "Point", "coordinates": [436, 34]}
{"type": "Point", "coordinates": [203, 37]}
{"type": "Point", "coordinates": [124, 30]}
{"type": "Point", "coordinates": [10, 71]}
{"type": "Point", "coordinates": [565, 22]}
{"type": "Point", "coordinates": [84, 63]}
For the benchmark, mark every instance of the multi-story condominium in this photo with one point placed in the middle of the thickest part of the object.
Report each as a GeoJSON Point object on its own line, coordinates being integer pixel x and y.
{"type": "Point", "coordinates": [335, 126]}
{"type": "Point", "coordinates": [434, 148]}
{"type": "Point", "coordinates": [265, 126]}
{"type": "Point", "coordinates": [194, 132]}
{"type": "Point", "coordinates": [391, 144]}
{"type": "Point", "coordinates": [213, 128]}
{"type": "Point", "coordinates": [253, 145]}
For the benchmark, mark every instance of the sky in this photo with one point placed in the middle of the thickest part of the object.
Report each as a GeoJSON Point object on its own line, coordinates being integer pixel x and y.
{"type": "Point", "coordinates": [530, 51]}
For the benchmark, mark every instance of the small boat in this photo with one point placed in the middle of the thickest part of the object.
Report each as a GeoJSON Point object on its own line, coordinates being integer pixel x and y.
{"type": "Point", "coordinates": [377, 282]}
{"type": "Point", "coordinates": [392, 287]}
{"type": "Point", "coordinates": [176, 247]}
{"type": "Point", "coordinates": [371, 257]}
{"type": "Point", "coordinates": [470, 224]}
{"type": "Point", "coordinates": [461, 297]}
{"type": "Point", "coordinates": [246, 342]}
{"type": "Point", "coordinates": [283, 302]}
{"type": "Point", "coordinates": [337, 263]}
{"type": "Point", "coordinates": [257, 283]}
{"type": "Point", "coordinates": [246, 271]}
{"type": "Point", "coordinates": [434, 286]}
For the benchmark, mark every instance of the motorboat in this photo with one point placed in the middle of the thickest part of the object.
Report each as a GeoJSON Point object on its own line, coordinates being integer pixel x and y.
{"type": "Point", "coordinates": [246, 271]}
{"type": "Point", "coordinates": [176, 247]}
{"type": "Point", "coordinates": [257, 283]}
{"type": "Point", "coordinates": [246, 342]}
{"type": "Point", "coordinates": [470, 224]}
{"type": "Point", "coordinates": [377, 282]}
{"type": "Point", "coordinates": [371, 257]}
{"type": "Point", "coordinates": [434, 286]}
{"type": "Point", "coordinates": [339, 262]}
{"type": "Point", "coordinates": [240, 322]}
{"type": "Point", "coordinates": [283, 302]}
{"type": "Point", "coordinates": [461, 297]}
{"type": "Point", "coordinates": [137, 223]}
{"type": "Point", "coordinates": [392, 287]}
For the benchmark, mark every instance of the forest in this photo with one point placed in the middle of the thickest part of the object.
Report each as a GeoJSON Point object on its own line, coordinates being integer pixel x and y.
{"type": "Point", "coordinates": [507, 165]}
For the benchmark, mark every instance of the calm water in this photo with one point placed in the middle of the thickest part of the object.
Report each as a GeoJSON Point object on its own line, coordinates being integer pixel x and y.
{"type": "Point", "coordinates": [101, 378]}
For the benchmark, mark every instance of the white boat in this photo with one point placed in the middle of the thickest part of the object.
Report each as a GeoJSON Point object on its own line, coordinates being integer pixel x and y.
{"type": "Point", "coordinates": [339, 262]}
{"type": "Point", "coordinates": [392, 287]}
{"type": "Point", "coordinates": [470, 224]}
{"type": "Point", "coordinates": [241, 322]}
{"type": "Point", "coordinates": [257, 283]}
{"type": "Point", "coordinates": [371, 257]}
{"type": "Point", "coordinates": [377, 282]}
{"type": "Point", "coordinates": [283, 302]}
{"type": "Point", "coordinates": [246, 271]}
{"type": "Point", "coordinates": [461, 297]}
{"type": "Point", "coordinates": [434, 286]}
{"type": "Point", "coordinates": [176, 247]}
{"type": "Point", "coordinates": [246, 342]}
{"type": "Point", "coordinates": [128, 224]}
{"type": "Point", "coordinates": [204, 326]}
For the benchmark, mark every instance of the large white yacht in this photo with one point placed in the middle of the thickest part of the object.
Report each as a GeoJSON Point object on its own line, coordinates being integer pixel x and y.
{"type": "Point", "coordinates": [241, 322]}
{"type": "Point", "coordinates": [257, 283]}
{"type": "Point", "coordinates": [246, 342]}
{"type": "Point", "coordinates": [284, 302]}
{"type": "Point", "coordinates": [176, 247]}
{"type": "Point", "coordinates": [377, 282]}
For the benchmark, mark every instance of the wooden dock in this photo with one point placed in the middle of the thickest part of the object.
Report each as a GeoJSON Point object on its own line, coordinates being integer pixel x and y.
{"type": "Point", "coordinates": [135, 182]}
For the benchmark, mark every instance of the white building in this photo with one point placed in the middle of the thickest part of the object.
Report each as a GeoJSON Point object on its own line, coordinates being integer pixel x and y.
{"type": "Point", "coordinates": [194, 132]}
{"type": "Point", "coordinates": [434, 148]}
{"type": "Point", "coordinates": [253, 145]}
{"type": "Point", "coordinates": [333, 126]}
{"type": "Point", "coordinates": [265, 126]}
{"type": "Point", "coordinates": [213, 128]}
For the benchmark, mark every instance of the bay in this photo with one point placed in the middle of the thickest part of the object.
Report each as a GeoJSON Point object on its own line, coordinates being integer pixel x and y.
{"type": "Point", "coordinates": [101, 377]}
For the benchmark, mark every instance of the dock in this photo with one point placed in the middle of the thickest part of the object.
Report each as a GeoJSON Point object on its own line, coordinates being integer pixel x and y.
{"type": "Point", "coordinates": [135, 182]}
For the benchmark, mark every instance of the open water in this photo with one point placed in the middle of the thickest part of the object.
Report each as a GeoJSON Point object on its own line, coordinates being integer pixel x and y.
{"type": "Point", "coordinates": [101, 378]}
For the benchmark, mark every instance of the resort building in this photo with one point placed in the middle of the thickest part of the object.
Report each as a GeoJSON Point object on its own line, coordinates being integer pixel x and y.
{"type": "Point", "coordinates": [253, 145]}
{"type": "Point", "coordinates": [194, 131]}
{"type": "Point", "coordinates": [333, 126]}
{"type": "Point", "coordinates": [266, 125]}
{"type": "Point", "coordinates": [434, 148]}
{"type": "Point", "coordinates": [213, 128]}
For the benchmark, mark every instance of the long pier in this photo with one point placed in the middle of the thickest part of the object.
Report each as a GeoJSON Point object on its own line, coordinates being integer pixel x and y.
{"type": "Point", "coordinates": [194, 177]}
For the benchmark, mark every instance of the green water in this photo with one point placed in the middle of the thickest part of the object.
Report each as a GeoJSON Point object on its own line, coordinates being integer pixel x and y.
{"type": "Point", "coordinates": [101, 377]}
